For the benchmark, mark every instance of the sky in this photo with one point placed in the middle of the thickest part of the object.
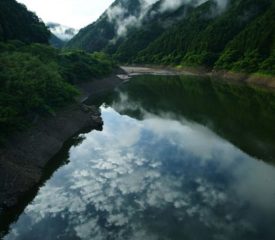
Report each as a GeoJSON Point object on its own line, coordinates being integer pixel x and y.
{"type": "Point", "coordinates": [72, 13]}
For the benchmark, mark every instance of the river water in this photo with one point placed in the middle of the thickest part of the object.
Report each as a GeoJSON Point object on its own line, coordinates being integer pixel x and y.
{"type": "Point", "coordinates": [178, 158]}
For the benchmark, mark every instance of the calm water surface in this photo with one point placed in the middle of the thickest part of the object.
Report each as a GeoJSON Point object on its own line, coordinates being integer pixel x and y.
{"type": "Point", "coordinates": [179, 158]}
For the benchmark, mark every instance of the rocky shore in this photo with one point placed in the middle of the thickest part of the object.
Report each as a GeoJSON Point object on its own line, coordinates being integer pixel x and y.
{"type": "Point", "coordinates": [26, 154]}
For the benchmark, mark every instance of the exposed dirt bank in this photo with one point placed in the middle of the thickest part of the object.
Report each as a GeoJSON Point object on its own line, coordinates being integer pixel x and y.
{"type": "Point", "coordinates": [154, 70]}
{"type": "Point", "coordinates": [26, 154]}
{"type": "Point", "coordinates": [101, 85]}
{"type": "Point", "coordinates": [254, 79]}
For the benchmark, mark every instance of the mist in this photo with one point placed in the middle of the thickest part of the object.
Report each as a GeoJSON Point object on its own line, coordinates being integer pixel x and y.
{"type": "Point", "coordinates": [170, 5]}
{"type": "Point", "coordinates": [119, 14]}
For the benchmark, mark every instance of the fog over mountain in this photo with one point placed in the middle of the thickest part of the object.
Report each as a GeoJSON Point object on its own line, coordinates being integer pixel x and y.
{"type": "Point", "coordinates": [124, 18]}
{"type": "Point", "coordinates": [64, 33]}
{"type": "Point", "coordinates": [217, 34]}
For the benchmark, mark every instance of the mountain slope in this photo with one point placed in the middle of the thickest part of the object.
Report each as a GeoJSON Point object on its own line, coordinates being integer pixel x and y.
{"type": "Point", "coordinates": [64, 33]}
{"type": "Point", "coordinates": [16, 22]}
{"type": "Point", "coordinates": [35, 78]}
{"type": "Point", "coordinates": [60, 34]}
{"type": "Point", "coordinates": [200, 41]}
{"type": "Point", "coordinates": [254, 48]}
{"type": "Point", "coordinates": [213, 33]}
{"type": "Point", "coordinates": [123, 18]}
{"type": "Point", "coordinates": [56, 42]}
{"type": "Point", "coordinates": [97, 35]}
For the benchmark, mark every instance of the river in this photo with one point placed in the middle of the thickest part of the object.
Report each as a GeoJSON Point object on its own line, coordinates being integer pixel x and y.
{"type": "Point", "coordinates": [179, 157]}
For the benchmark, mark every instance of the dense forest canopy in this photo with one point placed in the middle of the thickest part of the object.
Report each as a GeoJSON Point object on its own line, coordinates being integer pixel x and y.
{"type": "Point", "coordinates": [236, 35]}
{"type": "Point", "coordinates": [35, 78]}
{"type": "Point", "coordinates": [16, 22]}
{"type": "Point", "coordinates": [38, 79]}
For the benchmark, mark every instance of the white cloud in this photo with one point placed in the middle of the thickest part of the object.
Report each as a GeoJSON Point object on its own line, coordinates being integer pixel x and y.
{"type": "Point", "coordinates": [118, 15]}
{"type": "Point", "coordinates": [79, 13]}
{"type": "Point", "coordinates": [174, 4]}
{"type": "Point", "coordinates": [62, 32]}
{"type": "Point", "coordinates": [72, 13]}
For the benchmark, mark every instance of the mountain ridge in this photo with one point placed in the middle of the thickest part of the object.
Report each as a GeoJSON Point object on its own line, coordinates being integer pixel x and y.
{"type": "Point", "coordinates": [63, 32]}
{"type": "Point", "coordinates": [195, 33]}
{"type": "Point", "coordinates": [17, 23]}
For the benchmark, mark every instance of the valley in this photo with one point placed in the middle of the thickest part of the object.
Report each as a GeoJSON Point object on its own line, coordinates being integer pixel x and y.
{"type": "Point", "coordinates": [153, 122]}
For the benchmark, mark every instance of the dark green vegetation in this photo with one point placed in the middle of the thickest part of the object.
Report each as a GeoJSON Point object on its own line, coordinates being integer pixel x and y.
{"type": "Point", "coordinates": [16, 22]}
{"type": "Point", "coordinates": [56, 42]}
{"type": "Point", "coordinates": [241, 114]}
{"type": "Point", "coordinates": [239, 38]}
{"type": "Point", "coordinates": [170, 143]}
{"type": "Point", "coordinates": [36, 79]}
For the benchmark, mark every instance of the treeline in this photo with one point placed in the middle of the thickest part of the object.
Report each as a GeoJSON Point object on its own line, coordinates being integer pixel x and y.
{"type": "Point", "coordinates": [240, 38]}
{"type": "Point", "coordinates": [16, 22]}
{"type": "Point", "coordinates": [233, 111]}
{"type": "Point", "coordinates": [35, 78]}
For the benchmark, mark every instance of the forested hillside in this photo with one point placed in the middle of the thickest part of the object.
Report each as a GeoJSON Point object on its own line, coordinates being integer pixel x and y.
{"type": "Point", "coordinates": [37, 79]}
{"type": "Point", "coordinates": [16, 22]}
{"type": "Point", "coordinates": [234, 35]}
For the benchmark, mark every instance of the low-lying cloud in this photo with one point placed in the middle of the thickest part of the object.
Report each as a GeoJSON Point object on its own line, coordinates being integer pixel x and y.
{"type": "Point", "coordinates": [119, 14]}
{"type": "Point", "coordinates": [169, 5]}
{"type": "Point", "coordinates": [123, 21]}
{"type": "Point", "coordinates": [62, 32]}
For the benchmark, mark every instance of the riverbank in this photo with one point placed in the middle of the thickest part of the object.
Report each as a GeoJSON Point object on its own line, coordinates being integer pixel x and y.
{"type": "Point", "coordinates": [253, 79]}
{"type": "Point", "coordinates": [25, 156]}
{"type": "Point", "coordinates": [27, 153]}
{"type": "Point", "coordinates": [156, 70]}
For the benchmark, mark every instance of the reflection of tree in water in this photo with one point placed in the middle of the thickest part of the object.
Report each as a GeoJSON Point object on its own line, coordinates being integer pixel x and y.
{"type": "Point", "coordinates": [242, 114]}
{"type": "Point", "coordinates": [143, 180]}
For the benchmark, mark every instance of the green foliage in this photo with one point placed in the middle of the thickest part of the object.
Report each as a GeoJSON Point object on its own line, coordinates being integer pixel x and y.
{"type": "Point", "coordinates": [239, 38]}
{"type": "Point", "coordinates": [29, 87]}
{"type": "Point", "coordinates": [268, 65]}
{"type": "Point", "coordinates": [44, 52]}
{"type": "Point", "coordinates": [249, 63]}
{"type": "Point", "coordinates": [78, 66]}
{"type": "Point", "coordinates": [56, 42]}
{"type": "Point", "coordinates": [37, 79]}
{"type": "Point", "coordinates": [17, 23]}
{"type": "Point", "coordinates": [97, 36]}
{"type": "Point", "coordinates": [201, 38]}
{"type": "Point", "coordinates": [129, 47]}
{"type": "Point", "coordinates": [100, 33]}
{"type": "Point", "coordinates": [245, 115]}
{"type": "Point", "coordinates": [252, 50]}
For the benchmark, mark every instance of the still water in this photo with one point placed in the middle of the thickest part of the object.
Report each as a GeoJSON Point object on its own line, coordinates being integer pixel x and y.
{"type": "Point", "coordinates": [178, 158]}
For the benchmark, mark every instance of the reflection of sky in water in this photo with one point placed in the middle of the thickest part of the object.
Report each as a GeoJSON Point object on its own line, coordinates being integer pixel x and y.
{"type": "Point", "coordinates": [153, 179]}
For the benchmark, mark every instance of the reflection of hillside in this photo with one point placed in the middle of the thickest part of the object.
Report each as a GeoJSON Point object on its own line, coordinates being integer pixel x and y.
{"type": "Point", "coordinates": [243, 115]}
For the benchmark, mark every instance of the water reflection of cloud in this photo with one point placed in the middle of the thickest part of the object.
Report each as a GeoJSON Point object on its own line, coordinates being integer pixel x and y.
{"type": "Point", "coordinates": [255, 182]}
{"type": "Point", "coordinates": [114, 178]}
{"type": "Point", "coordinates": [193, 138]}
